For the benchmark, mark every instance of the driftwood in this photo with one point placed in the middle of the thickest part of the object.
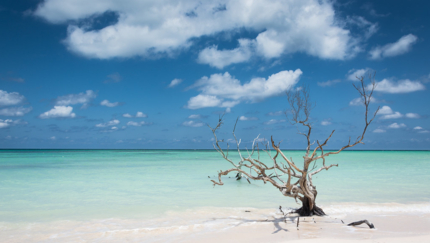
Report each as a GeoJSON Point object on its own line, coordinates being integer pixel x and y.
{"type": "Point", "coordinates": [288, 176]}
{"type": "Point", "coordinates": [365, 221]}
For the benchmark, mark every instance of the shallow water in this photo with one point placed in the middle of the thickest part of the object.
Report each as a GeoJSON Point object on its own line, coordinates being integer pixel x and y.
{"type": "Point", "coordinates": [86, 185]}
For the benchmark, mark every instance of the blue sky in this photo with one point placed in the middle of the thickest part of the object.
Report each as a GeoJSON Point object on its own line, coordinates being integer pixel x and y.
{"type": "Point", "coordinates": [152, 74]}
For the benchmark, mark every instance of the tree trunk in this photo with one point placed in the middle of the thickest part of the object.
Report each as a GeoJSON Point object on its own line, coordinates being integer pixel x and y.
{"type": "Point", "coordinates": [306, 209]}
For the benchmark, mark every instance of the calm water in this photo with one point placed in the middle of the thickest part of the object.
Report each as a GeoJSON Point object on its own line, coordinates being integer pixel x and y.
{"type": "Point", "coordinates": [49, 185]}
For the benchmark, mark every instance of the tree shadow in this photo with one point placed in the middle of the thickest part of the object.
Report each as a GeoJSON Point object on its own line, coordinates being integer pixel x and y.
{"type": "Point", "coordinates": [276, 222]}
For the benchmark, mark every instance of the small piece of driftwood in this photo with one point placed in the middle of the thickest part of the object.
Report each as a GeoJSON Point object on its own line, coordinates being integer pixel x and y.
{"type": "Point", "coordinates": [362, 222]}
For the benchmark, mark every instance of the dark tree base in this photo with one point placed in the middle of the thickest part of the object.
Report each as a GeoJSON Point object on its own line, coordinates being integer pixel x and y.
{"type": "Point", "coordinates": [306, 211]}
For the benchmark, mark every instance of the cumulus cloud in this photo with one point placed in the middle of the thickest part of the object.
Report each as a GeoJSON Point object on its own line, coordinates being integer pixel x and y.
{"type": "Point", "coordinates": [138, 114]}
{"type": "Point", "coordinates": [387, 113]}
{"type": "Point", "coordinates": [402, 86]}
{"type": "Point", "coordinates": [221, 58]}
{"type": "Point", "coordinates": [108, 124]}
{"type": "Point", "coordinates": [418, 128]}
{"type": "Point", "coordinates": [5, 123]}
{"type": "Point", "coordinates": [273, 121]}
{"type": "Point", "coordinates": [195, 116]}
{"type": "Point", "coordinates": [244, 118]}
{"type": "Point", "coordinates": [360, 101]}
{"type": "Point", "coordinates": [9, 122]}
{"type": "Point", "coordinates": [413, 115]}
{"type": "Point", "coordinates": [394, 115]}
{"type": "Point", "coordinates": [73, 99]}
{"type": "Point", "coordinates": [385, 110]}
{"type": "Point", "coordinates": [378, 130]}
{"type": "Point", "coordinates": [354, 73]}
{"type": "Point", "coordinates": [174, 83]}
{"type": "Point", "coordinates": [15, 111]}
{"type": "Point", "coordinates": [12, 98]}
{"type": "Point", "coordinates": [109, 104]}
{"type": "Point", "coordinates": [137, 124]}
{"type": "Point", "coordinates": [396, 126]}
{"type": "Point", "coordinates": [223, 90]}
{"type": "Point", "coordinates": [403, 45]}
{"type": "Point", "coordinates": [58, 112]}
{"type": "Point", "coordinates": [164, 27]}
{"type": "Point", "coordinates": [192, 124]}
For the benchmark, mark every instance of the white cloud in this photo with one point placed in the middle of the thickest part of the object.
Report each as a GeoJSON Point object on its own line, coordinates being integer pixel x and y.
{"type": "Point", "coordinates": [395, 115]}
{"type": "Point", "coordinates": [109, 124]}
{"type": "Point", "coordinates": [5, 123]}
{"type": "Point", "coordinates": [53, 138]}
{"type": "Point", "coordinates": [12, 98]}
{"type": "Point", "coordinates": [418, 128]}
{"type": "Point", "coordinates": [244, 118]}
{"type": "Point", "coordinates": [402, 86]}
{"type": "Point", "coordinates": [329, 83]}
{"type": "Point", "coordinates": [326, 122]}
{"type": "Point", "coordinates": [401, 46]}
{"type": "Point", "coordinates": [378, 130]}
{"type": "Point", "coordinates": [202, 101]}
{"type": "Point", "coordinates": [220, 59]}
{"type": "Point", "coordinates": [356, 101]}
{"type": "Point", "coordinates": [273, 121]}
{"type": "Point", "coordinates": [58, 112]}
{"type": "Point", "coordinates": [73, 99]}
{"type": "Point", "coordinates": [109, 104]}
{"type": "Point", "coordinates": [387, 113]}
{"type": "Point", "coordinates": [354, 73]}
{"type": "Point", "coordinates": [9, 122]}
{"type": "Point", "coordinates": [192, 124]}
{"type": "Point", "coordinates": [137, 124]}
{"type": "Point", "coordinates": [15, 111]}
{"type": "Point", "coordinates": [396, 126]}
{"type": "Point", "coordinates": [194, 116]}
{"type": "Point", "coordinates": [424, 131]}
{"type": "Point", "coordinates": [412, 115]}
{"type": "Point", "coordinates": [140, 114]}
{"type": "Point", "coordinates": [174, 82]}
{"type": "Point", "coordinates": [360, 101]}
{"type": "Point", "coordinates": [276, 113]}
{"type": "Point", "coordinates": [385, 110]}
{"type": "Point", "coordinates": [114, 128]}
{"type": "Point", "coordinates": [165, 27]}
{"type": "Point", "coordinates": [223, 90]}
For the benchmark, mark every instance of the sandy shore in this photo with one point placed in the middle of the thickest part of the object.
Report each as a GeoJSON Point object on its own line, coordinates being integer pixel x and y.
{"type": "Point", "coordinates": [389, 228]}
{"type": "Point", "coordinates": [237, 225]}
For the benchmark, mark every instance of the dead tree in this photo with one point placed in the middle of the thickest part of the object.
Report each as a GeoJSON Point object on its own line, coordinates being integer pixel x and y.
{"type": "Point", "coordinates": [291, 179]}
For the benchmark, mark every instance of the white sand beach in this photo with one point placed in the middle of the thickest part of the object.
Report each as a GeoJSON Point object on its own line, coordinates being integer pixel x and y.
{"type": "Point", "coordinates": [239, 225]}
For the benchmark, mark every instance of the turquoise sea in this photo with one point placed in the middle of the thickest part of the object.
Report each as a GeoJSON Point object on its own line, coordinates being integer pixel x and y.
{"type": "Point", "coordinates": [48, 186]}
